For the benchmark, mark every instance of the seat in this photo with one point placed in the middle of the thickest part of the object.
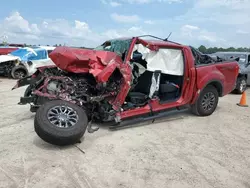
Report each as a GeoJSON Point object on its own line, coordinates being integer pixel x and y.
{"type": "Point", "coordinates": [140, 93]}
{"type": "Point", "coordinates": [169, 91]}
{"type": "Point", "coordinates": [144, 83]}
{"type": "Point", "coordinates": [137, 98]}
{"type": "Point", "coordinates": [169, 87]}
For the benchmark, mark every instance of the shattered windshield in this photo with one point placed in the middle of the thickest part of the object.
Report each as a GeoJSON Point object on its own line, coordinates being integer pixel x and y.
{"type": "Point", "coordinates": [24, 53]}
{"type": "Point", "coordinates": [118, 46]}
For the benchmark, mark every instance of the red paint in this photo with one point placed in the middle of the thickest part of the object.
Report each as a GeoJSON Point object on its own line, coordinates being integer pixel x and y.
{"type": "Point", "coordinates": [101, 64]}
{"type": "Point", "coordinates": [82, 60]}
{"type": "Point", "coordinates": [195, 79]}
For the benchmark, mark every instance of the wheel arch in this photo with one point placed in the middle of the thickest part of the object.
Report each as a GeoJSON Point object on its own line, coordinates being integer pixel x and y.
{"type": "Point", "coordinates": [217, 84]}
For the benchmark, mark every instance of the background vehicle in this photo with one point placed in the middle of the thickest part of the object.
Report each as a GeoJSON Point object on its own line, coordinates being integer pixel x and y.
{"type": "Point", "coordinates": [125, 81]}
{"type": "Point", "coordinates": [25, 61]}
{"type": "Point", "coordinates": [243, 59]}
{"type": "Point", "coordinates": [4, 50]}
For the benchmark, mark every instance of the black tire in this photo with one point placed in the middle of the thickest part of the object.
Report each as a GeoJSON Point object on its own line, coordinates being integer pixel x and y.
{"type": "Point", "coordinates": [200, 108]}
{"type": "Point", "coordinates": [53, 134]}
{"type": "Point", "coordinates": [241, 85]}
{"type": "Point", "coordinates": [19, 72]}
{"type": "Point", "coordinates": [28, 91]}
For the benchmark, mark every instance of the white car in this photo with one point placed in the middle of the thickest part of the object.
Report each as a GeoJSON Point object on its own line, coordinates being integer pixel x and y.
{"type": "Point", "coordinates": [25, 61]}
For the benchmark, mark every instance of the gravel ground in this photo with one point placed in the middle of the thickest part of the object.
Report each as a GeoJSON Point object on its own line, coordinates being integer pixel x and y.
{"type": "Point", "coordinates": [181, 150]}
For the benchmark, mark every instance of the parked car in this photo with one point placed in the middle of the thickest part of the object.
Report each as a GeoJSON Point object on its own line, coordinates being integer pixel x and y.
{"type": "Point", "coordinates": [122, 81]}
{"type": "Point", "coordinates": [25, 61]}
{"type": "Point", "coordinates": [243, 59]}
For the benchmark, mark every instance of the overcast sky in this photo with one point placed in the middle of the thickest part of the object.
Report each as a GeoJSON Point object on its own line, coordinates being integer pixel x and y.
{"type": "Point", "coordinates": [88, 23]}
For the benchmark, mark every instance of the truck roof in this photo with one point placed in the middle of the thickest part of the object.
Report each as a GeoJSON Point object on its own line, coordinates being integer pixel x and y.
{"type": "Point", "coordinates": [163, 43]}
{"type": "Point", "coordinates": [157, 42]}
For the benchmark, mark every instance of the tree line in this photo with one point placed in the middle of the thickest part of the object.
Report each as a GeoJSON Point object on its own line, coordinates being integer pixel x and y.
{"type": "Point", "coordinates": [205, 50]}
{"type": "Point", "coordinates": [202, 48]}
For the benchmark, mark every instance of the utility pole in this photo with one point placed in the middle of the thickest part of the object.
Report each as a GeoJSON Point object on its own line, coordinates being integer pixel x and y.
{"type": "Point", "coordinates": [4, 39]}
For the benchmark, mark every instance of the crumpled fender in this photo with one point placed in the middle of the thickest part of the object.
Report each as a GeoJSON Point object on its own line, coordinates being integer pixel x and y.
{"type": "Point", "coordinates": [101, 64]}
{"type": "Point", "coordinates": [102, 74]}
{"type": "Point", "coordinates": [77, 60]}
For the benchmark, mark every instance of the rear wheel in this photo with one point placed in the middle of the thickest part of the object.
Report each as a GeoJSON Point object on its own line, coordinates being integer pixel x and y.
{"type": "Point", "coordinates": [60, 122]}
{"type": "Point", "coordinates": [207, 102]}
{"type": "Point", "coordinates": [241, 85]}
{"type": "Point", "coordinates": [18, 72]}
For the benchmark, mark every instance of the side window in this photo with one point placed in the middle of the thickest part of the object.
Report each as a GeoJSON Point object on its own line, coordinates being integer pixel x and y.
{"type": "Point", "coordinates": [40, 55]}
{"type": "Point", "coordinates": [32, 57]}
{"type": "Point", "coordinates": [248, 60]}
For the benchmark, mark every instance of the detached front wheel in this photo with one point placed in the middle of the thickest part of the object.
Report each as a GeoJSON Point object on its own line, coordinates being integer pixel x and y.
{"type": "Point", "coordinates": [60, 122]}
{"type": "Point", "coordinates": [207, 102]}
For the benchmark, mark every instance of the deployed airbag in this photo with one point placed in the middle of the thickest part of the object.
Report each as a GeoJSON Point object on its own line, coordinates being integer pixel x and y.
{"type": "Point", "coordinates": [169, 61]}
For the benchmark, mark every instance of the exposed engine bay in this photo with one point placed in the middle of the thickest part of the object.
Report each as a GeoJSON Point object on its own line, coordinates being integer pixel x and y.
{"type": "Point", "coordinates": [81, 89]}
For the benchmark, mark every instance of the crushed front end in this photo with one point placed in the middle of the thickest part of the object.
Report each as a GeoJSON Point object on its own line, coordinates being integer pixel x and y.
{"type": "Point", "coordinates": [90, 79]}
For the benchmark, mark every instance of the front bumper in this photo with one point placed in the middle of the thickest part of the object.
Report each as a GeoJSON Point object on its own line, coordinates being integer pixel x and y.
{"type": "Point", "coordinates": [31, 101]}
{"type": "Point", "coordinates": [27, 100]}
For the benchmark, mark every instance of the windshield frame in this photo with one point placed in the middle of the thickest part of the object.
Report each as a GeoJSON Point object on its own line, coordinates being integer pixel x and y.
{"type": "Point", "coordinates": [122, 49]}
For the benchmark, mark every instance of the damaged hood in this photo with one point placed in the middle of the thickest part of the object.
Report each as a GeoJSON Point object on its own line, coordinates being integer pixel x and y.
{"type": "Point", "coordinates": [82, 60]}
{"type": "Point", "coordinates": [6, 58]}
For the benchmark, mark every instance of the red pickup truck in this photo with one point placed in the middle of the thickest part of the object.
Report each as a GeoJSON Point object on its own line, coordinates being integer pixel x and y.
{"type": "Point", "coordinates": [123, 81]}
